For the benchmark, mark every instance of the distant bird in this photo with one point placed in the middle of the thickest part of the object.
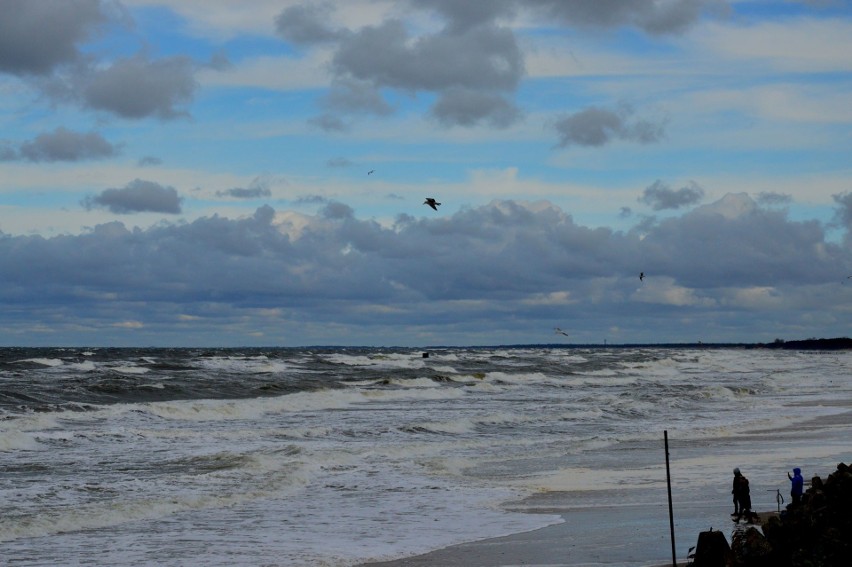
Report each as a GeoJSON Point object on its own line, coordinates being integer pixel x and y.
{"type": "Point", "coordinates": [560, 331]}
{"type": "Point", "coordinates": [432, 203]}
{"type": "Point", "coordinates": [641, 276]}
{"type": "Point", "coordinates": [371, 172]}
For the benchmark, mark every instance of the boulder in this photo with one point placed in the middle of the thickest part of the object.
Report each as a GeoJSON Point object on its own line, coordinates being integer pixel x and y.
{"type": "Point", "coordinates": [751, 549]}
{"type": "Point", "coordinates": [712, 550]}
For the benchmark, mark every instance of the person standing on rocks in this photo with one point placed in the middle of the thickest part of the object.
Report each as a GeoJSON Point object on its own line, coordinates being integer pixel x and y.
{"type": "Point", "coordinates": [797, 486]}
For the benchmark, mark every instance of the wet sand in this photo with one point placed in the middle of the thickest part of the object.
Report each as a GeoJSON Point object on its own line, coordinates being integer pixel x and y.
{"type": "Point", "coordinates": [575, 543]}
{"type": "Point", "coordinates": [629, 535]}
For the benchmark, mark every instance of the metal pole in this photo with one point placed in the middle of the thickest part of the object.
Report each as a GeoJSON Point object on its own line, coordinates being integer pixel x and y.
{"type": "Point", "coordinates": [669, 485]}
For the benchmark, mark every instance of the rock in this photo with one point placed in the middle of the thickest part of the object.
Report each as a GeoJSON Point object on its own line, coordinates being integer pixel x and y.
{"type": "Point", "coordinates": [712, 550]}
{"type": "Point", "coordinates": [751, 549]}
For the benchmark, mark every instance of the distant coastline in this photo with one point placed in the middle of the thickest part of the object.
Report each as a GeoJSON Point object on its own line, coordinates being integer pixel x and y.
{"type": "Point", "coordinates": [837, 343]}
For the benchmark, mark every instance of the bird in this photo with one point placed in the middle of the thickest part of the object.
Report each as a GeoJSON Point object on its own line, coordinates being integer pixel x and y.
{"type": "Point", "coordinates": [641, 276]}
{"type": "Point", "coordinates": [431, 202]}
{"type": "Point", "coordinates": [371, 172]}
{"type": "Point", "coordinates": [560, 331]}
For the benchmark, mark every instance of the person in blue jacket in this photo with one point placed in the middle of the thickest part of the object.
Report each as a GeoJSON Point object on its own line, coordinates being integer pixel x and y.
{"type": "Point", "coordinates": [798, 484]}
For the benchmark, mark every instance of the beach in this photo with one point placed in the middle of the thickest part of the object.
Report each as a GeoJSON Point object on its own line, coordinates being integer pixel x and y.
{"type": "Point", "coordinates": [634, 533]}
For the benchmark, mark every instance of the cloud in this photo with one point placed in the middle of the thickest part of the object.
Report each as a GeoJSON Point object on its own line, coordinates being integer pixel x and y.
{"type": "Point", "coordinates": [472, 69]}
{"type": "Point", "coordinates": [494, 267]}
{"type": "Point", "coordinates": [139, 88]}
{"type": "Point", "coordinates": [771, 198]}
{"type": "Point", "coordinates": [258, 188]}
{"type": "Point", "coordinates": [62, 145]}
{"type": "Point", "coordinates": [653, 17]}
{"type": "Point", "coordinates": [305, 24]}
{"type": "Point", "coordinates": [843, 212]}
{"type": "Point", "coordinates": [310, 200]}
{"type": "Point", "coordinates": [137, 197]}
{"type": "Point", "coordinates": [661, 196]}
{"type": "Point", "coordinates": [473, 64]}
{"type": "Point", "coordinates": [466, 107]}
{"type": "Point", "coordinates": [351, 95]}
{"type": "Point", "coordinates": [36, 36]}
{"type": "Point", "coordinates": [480, 57]}
{"type": "Point", "coordinates": [148, 161]}
{"type": "Point", "coordinates": [598, 126]}
{"type": "Point", "coordinates": [329, 123]}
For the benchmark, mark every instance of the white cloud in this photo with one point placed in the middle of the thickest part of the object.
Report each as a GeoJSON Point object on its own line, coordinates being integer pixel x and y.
{"type": "Point", "coordinates": [798, 45]}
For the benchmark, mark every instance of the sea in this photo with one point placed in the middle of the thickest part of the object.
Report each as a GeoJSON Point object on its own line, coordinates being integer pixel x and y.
{"type": "Point", "coordinates": [335, 457]}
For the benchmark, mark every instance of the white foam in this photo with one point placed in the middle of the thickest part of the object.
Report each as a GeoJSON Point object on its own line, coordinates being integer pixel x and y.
{"type": "Point", "coordinates": [50, 362]}
{"type": "Point", "coordinates": [127, 369]}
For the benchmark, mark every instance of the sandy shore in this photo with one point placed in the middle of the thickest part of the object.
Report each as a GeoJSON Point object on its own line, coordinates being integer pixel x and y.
{"type": "Point", "coordinates": [565, 545]}
{"type": "Point", "coordinates": [630, 535]}
{"type": "Point", "coordinates": [632, 529]}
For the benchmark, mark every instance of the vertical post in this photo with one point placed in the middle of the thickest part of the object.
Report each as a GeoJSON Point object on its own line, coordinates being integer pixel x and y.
{"type": "Point", "coordinates": [669, 486]}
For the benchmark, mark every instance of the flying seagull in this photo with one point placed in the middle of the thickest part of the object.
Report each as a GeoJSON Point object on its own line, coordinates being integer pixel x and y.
{"type": "Point", "coordinates": [560, 331]}
{"type": "Point", "coordinates": [641, 276]}
{"type": "Point", "coordinates": [371, 172]}
{"type": "Point", "coordinates": [431, 202]}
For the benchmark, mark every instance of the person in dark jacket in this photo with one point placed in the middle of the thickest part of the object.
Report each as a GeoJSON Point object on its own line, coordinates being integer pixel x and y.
{"type": "Point", "coordinates": [736, 513]}
{"type": "Point", "coordinates": [797, 485]}
{"type": "Point", "coordinates": [742, 497]}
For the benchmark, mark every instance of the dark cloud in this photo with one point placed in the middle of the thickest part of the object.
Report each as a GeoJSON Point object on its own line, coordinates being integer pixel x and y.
{"type": "Point", "coordinates": [140, 88]}
{"type": "Point", "coordinates": [661, 196]}
{"type": "Point", "coordinates": [306, 24]}
{"type": "Point", "coordinates": [843, 212]}
{"type": "Point", "coordinates": [471, 60]}
{"type": "Point", "coordinates": [351, 95]}
{"type": "Point", "coordinates": [499, 266]}
{"type": "Point", "coordinates": [651, 16]}
{"type": "Point", "coordinates": [137, 197]}
{"type": "Point", "coordinates": [62, 145]}
{"type": "Point", "coordinates": [8, 153]}
{"type": "Point", "coordinates": [735, 243]}
{"type": "Point", "coordinates": [36, 36]}
{"type": "Point", "coordinates": [310, 200]}
{"type": "Point", "coordinates": [598, 126]}
{"type": "Point", "coordinates": [258, 188]}
{"type": "Point", "coordinates": [466, 107]}
{"type": "Point", "coordinates": [481, 57]}
{"type": "Point", "coordinates": [465, 15]}
{"type": "Point", "coordinates": [336, 210]}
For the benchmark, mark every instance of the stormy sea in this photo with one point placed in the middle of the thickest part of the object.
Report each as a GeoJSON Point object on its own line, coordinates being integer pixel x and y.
{"type": "Point", "coordinates": [342, 456]}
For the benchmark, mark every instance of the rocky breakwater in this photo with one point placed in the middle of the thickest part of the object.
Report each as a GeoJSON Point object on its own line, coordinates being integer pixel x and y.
{"type": "Point", "coordinates": [814, 533]}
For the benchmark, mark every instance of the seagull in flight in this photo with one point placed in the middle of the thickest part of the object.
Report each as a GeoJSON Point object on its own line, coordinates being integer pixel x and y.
{"type": "Point", "coordinates": [560, 331]}
{"type": "Point", "coordinates": [641, 276]}
{"type": "Point", "coordinates": [431, 202]}
{"type": "Point", "coordinates": [371, 172]}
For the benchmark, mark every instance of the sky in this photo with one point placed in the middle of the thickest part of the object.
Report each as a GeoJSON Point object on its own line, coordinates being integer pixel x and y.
{"type": "Point", "coordinates": [218, 173]}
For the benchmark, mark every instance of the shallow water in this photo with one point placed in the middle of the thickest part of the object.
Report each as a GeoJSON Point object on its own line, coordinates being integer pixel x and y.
{"type": "Point", "coordinates": [340, 456]}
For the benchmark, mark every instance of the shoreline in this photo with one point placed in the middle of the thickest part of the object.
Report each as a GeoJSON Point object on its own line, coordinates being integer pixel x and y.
{"type": "Point", "coordinates": [631, 530]}
{"type": "Point", "coordinates": [560, 545]}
